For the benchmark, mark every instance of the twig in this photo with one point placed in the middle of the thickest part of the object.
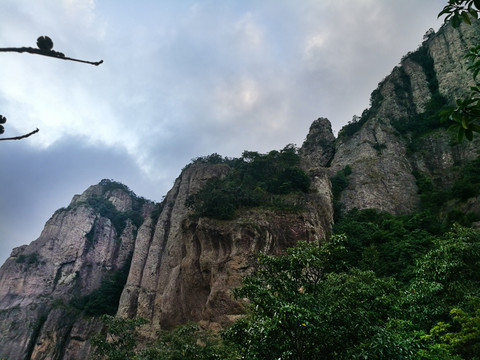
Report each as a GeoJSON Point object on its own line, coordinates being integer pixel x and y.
{"type": "Point", "coordinates": [49, 53]}
{"type": "Point", "coordinates": [21, 136]}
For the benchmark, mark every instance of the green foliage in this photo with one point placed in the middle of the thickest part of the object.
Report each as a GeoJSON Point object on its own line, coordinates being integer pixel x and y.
{"type": "Point", "coordinates": [339, 183]}
{"type": "Point", "coordinates": [340, 180]}
{"type": "Point", "coordinates": [458, 11]}
{"type": "Point", "coordinates": [468, 183]}
{"type": "Point", "coordinates": [36, 327]}
{"type": "Point", "coordinates": [379, 147]}
{"type": "Point", "coordinates": [384, 289]}
{"type": "Point", "coordinates": [432, 197]}
{"type": "Point", "coordinates": [446, 277]}
{"type": "Point", "coordinates": [187, 342]}
{"type": "Point", "coordinates": [90, 236]}
{"type": "Point", "coordinates": [28, 259]}
{"type": "Point", "coordinates": [386, 244]}
{"type": "Point", "coordinates": [314, 303]}
{"type": "Point", "coordinates": [417, 125]}
{"type": "Point", "coordinates": [356, 123]}
{"type": "Point", "coordinates": [457, 340]}
{"type": "Point", "coordinates": [435, 198]}
{"type": "Point", "coordinates": [58, 303]}
{"type": "Point", "coordinates": [137, 202]}
{"type": "Point", "coordinates": [119, 219]}
{"type": "Point", "coordinates": [117, 341]}
{"type": "Point", "coordinates": [157, 210]}
{"type": "Point", "coordinates": [466, 114]}
{"type": "Point", "coordinates": [106, 209]}
{"type": "Point", "coordinates": [255, 180]}
{"type": "Point", "coordinates": [105, 299]}
{"type": "Point", "coordinates": [212, 159]}
{"type": "Point", "coordinates": [456, 216]}
{"type": "Point", "coordinates": [300, 310]}
{"type": "Point", "coordinates": [110, 185]}
{"type": "Point", "coordinates": [422, 57]}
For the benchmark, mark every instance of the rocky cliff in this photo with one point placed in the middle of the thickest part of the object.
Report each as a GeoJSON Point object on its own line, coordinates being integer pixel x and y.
{"type": "Point", "coordinates": [112, 252]}
{"type": "Point", "coordinates": [180, 268]}
{"type": "Point", "coordinates": [184, 268]}
{"type": "Point", "coordinates": [79, 249]}
{"type": "Point", "coordinates": [401, 132]}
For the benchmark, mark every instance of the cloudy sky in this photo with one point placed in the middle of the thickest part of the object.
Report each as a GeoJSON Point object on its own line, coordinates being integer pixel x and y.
{"type": "Point", "coordinates": [180, 79]}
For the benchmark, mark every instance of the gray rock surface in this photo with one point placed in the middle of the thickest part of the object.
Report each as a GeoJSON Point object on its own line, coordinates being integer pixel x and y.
{"type": "Point", "coordinates": [183, 269]}
{"type": "Point", "coordinates": [381, 161]}
{"type": "Point", "coordinates": [77, 249]}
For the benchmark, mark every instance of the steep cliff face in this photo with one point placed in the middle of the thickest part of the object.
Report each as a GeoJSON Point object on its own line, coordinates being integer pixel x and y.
{"type": "Point", "coordinates": [379, 146]}
{"type": "Point", "coordinates": [80, 247]}
{"type": "Point", "coordinates": [180, 268]}
{"type": "Point", "coordinates": [184, 268]}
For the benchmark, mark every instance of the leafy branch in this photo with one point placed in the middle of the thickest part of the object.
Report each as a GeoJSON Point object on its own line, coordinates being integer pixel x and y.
{"type": "Point", "coordinates": [459, 11]}
{"type": "Point", "coordinates": [466, 114]}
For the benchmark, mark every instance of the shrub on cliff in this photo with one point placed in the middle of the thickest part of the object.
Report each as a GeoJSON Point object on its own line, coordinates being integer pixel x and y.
{"type": "Point", "coordinates": [255, 180]}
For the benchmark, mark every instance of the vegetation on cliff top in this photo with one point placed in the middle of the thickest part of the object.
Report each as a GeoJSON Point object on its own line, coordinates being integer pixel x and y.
{"type": "Point", "coordinates": [106, 209]}
{"type": "Point", "coordinates": [254, 180]}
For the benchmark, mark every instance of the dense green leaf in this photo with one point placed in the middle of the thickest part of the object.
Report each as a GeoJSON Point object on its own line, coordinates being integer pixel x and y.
{"type": "Point", "coordinates": [254, 180]}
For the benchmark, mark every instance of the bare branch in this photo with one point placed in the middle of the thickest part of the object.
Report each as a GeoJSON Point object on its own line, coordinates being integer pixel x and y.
{"type": "Point", "coordinates": [45, 48]}
{"type": "Point", "coordinates": [49, 53]}
{"type": "Point", "coordinates": [21, 136]}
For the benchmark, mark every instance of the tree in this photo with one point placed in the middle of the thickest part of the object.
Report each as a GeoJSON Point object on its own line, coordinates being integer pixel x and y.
{"type": "Point", "coordinates": [457, 340]}
{"type": "Point", "coordinates": [299, 308]}
{"type": "Point", "coordinates": [447, 277]}
{"type": "Point", "coordinates": [458, 11]}
{"type": "Point", "coordinates": [118, 339]}
{"type": "Point", "coordinates": [187, 342]}
{"type": "Point", "coordinates": [45, 48]}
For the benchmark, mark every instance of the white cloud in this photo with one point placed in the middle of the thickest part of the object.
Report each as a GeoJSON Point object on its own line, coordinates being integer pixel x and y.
{"type": "Point", "coordinates": [250, 33]}
{"type": "Point", "coordinates": [235, 97]}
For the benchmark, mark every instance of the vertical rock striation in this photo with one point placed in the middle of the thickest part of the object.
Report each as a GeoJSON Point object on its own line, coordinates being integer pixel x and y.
{"type": "Point", "coordinates": [184, 268]}
{"type": "Point", "coordinates": [379, 147]}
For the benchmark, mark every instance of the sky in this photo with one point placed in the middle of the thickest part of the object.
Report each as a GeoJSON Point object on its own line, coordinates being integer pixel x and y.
{"type": "Point", "coordinates": [180, 79]}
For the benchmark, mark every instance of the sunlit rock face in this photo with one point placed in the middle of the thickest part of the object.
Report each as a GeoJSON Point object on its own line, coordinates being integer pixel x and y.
{"type": "Point", "coordinates": [182, 268]}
